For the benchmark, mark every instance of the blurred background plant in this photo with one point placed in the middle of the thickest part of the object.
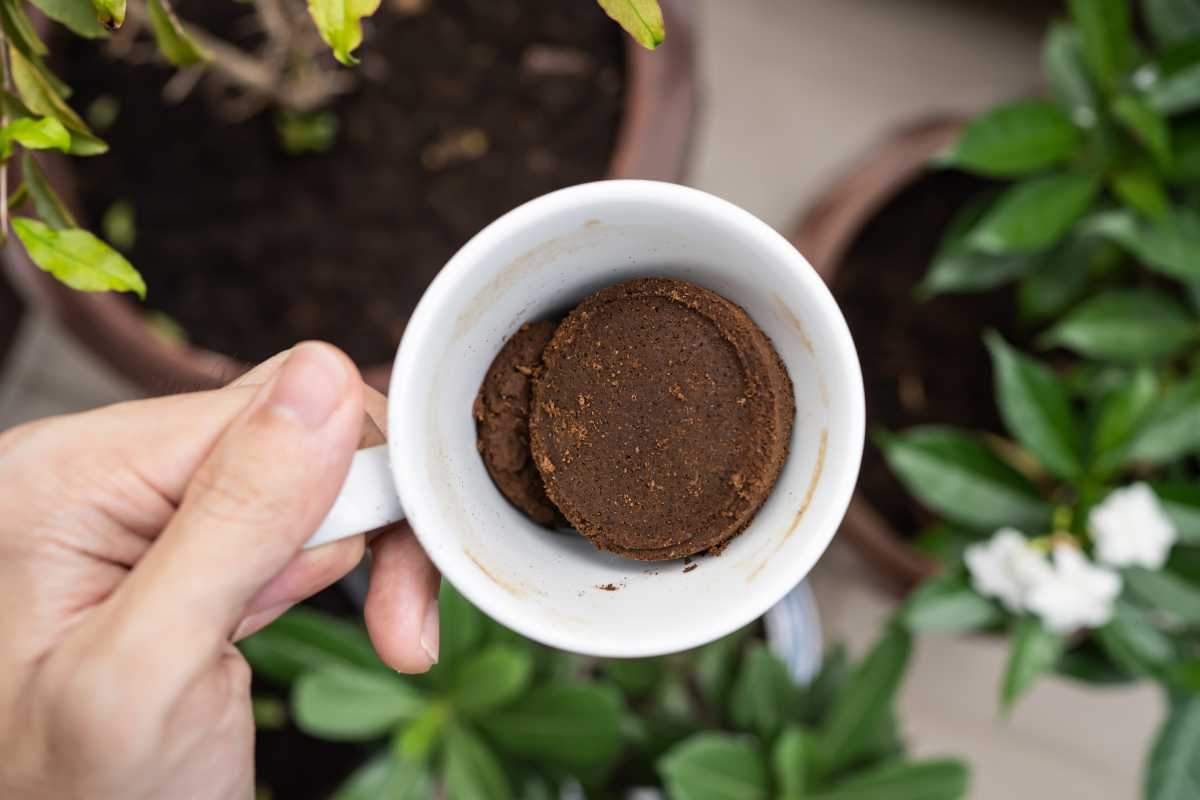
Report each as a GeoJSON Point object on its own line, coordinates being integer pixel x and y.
{"type": "Point", "coordinates": [502, 717]}
{"type": "Point", "coordinates": [1078, 537]}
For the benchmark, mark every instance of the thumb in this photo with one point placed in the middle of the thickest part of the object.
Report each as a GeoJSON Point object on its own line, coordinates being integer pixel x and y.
{"type": "Point", "coordinates": [269, 480]}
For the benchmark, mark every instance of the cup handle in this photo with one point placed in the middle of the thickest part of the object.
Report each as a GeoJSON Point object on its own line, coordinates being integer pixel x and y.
{"type": "Point", "coordinates": [367, 500]}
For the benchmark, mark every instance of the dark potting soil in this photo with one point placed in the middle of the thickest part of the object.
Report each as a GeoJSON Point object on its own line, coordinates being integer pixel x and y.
{"type": "Point", "coordinates": [923, 362]}
{"type": "Point", "coordinates": [464, 111]}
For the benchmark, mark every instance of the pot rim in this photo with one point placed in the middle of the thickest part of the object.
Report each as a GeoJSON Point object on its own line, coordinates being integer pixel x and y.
{"type": "Point", "coordinates": [825, 234]}
{"type": "Point", "coordinates": [653, 141]}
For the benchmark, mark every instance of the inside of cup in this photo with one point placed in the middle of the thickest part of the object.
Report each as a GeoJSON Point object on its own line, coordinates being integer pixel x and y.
{"type": "Point", "coordinates": [537, 263]}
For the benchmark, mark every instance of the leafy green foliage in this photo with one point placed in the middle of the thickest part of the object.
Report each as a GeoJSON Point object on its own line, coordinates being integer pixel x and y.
{"type": "Point", "coordinates": [340, 24]}
{"type": "Point", "coordinates": [492, 679]}
{"type": "Point", "coordinates": [111, 13]}
{"type": "Point", "coordinates": [352, 703]}
{"type": "Point", "coordinates": [79, 16]}
{"type": "Point", "coordinates": [1034, 214]}
{"type": "Point", "coordinates": [947, 604]}
{"type": "Point", "coordinates": [1127, 325]}
{"type": "Point", "coordinates": [1014, 140]}
{"type": "Point", "coordinates": [306, 132]}
{"type": "Point", "coordinates": [1105, 30]}
{"type": "Point", "coordinates": [573, 726]}
{"type": "Point", "coordinates": [1173, 772]}
{"type": "Point", "coordinates": [175, 43]}
{"type": "Point", "coordinates": [471, 769]}
{"type": "Point", "coordinates": [715, 766]}
{"type": "Point", "coordinates": [45, 133]}
{"type": "Point", "coordinates": [764, 696]}
{"type": "Point", "coordinates": [642, 19]}
{"type": "Point", "coordinates": [77, 258]}
{"type": "Point", "coordinates": [1034, 651]}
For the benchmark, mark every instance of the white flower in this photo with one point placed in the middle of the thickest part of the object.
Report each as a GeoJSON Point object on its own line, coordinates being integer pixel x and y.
{"type": "Point", "coordinates": [1130, 529]}
{"type": "Point", "coordinates": [1079, 594]}
{"type": "Point", "coordinates": [1007, 568]}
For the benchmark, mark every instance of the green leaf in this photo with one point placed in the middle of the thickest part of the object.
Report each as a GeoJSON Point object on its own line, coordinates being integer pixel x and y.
{"type": "Point", "coordinates": [491, 679]}
{"type": "Point", "coordinates": [574, 726]}
{"type": "Point", "coordinates": [49, 206]}
{"type": "Point", "coordinates": [716, 664]}
{"type": "Point", "coordinates": [1062, 61]}
{"type": "Point", "coordinates": [764, 696]}
{"type": "Point", "coordinates": [958, 268]}
{"type": "Point", "coordinates": [943, 779]}
{"type": "Point", "coordinates": [1181, 502]}
{"type": "Point", "coordinates": [1133, 643]}
{"type": "Point", "coordinates": [1172, 21]}
{"type": "Point", "coordinates": [1173, 771]}
{"type": "Point", "coordinates": [1036, 408]}
{"type": "Point", "coordinates": [955, 475]}
{"type": "Point", "coordinates": [45, 133]}
{"type": "Point", "coordinates": [77, 258]}
{"type": "Point", "coordinates": [1145, 124]}
{"type": "Point", "coordinates": [305, 641]}
{"type": "Point", "coordinates": [1126, 325]}
{"type": "Point", "coordinates": [462, 627]}
{"type": "Point", "coordinates": [866, 698]}
{"type": "Point", "coordinates": [353, 704]}
{"type": "Point", "coordinates": [1107, 37]}
{"type": "Point", "coordinates": [1175, 93]}
{"type": "Point", "coordinates": [1061, 277]}
{"type": "Point", "coordinates": [173, 39]}
{"type": "Point", "coordinates": [19, 30]}
{"type": "Point", "coordinates": [1034, 651]}
{"type": "Point", "coordinates": [1167, 246]}
{"type": "Point", "coordinates": [1120, 413]}
{"type": "Point", "coordinates": [40, 97]}
{"type": "Point", "coordinates": [111, 13]}
{"type": "Point", "coordinates": [417, 739]}
{"type": "Point", "coordinates": [1165, 593]}
{"type": "Point", "coordinates": [1140, 189]}
{"type": "Point", "coordinates": [641, 19]}
{"type": "Point", "coordinates": [714, 766]}
{"type": "Point", "coordinates": [790, 757]}
{"type": "Point", "coordinates": [1014, 140]}
{"type": "Point", "coordinates": [1171, 428]}
{"type": "Point", "coordinates": [1034, 214]}
{"type": "Point", "coordinates": [1089, 663]}
{"type": "Point", "coordinates": [635, 676]}
{"type": "Point", "coordinates": [77, 15]}
{"type": "Point", "coordinates": [385, 776]}
{"type": "Point", "coordinates": [819, 695]}
{"type": "Point", "coordinates": [340, 24]}
{"type": "Point", "coordinates": [948, 604]}
{"type": "Point", "coordinates": [471, 770]}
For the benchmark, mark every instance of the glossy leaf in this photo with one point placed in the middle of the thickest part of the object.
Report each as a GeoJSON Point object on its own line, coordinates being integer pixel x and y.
{"type": "Point", "coordinates": [39, 97]}
{"type": "Point", "coordinates": [491, 679]}
{"type": "Point", "coordinates": [111, 13]}
{"type": "Point", "coordinates": [1034, 651]}
{"type": "Point", "coordinates": [1173, 770]}
{"type": "Point", "coordinates": [1034, 214]}
{"type": "Point", "coordinates": [1140, 189]}
{"type": "Point", "coordinates": [471, 770]}
{"type": "Point", "coordinates": [942, 779]}
{"type": "Point", "coordinates": [1172, 21]}
{"type": "Point", "coordinates": [958, 268]}
{"type": "Point", "coordinates": [714, 766]}
{"type": "Point", "coordinates": [1171, 429]}
{"type": "Point", "coordinates": [1181, 502]}
{"type": "Point", "coordinates": [45, 133]}
{"type": "Point", "coordinates": [574, 726]}
{"type": "Point", "coordinates": [1062, 276]}
{"type": "Point", "coordinates": [1036, 408]}
{"type": "Point", "coordinates": [79, 16]}
{"type": "Point", "coordinates": [385, 776]}
{"type": "Point", "coordinates": [77, 258]}
{"type": "Point", "coordinates": [305, 641]}
{"type": "Point", "coordinates": [867, 697]}
{"type": "Point", "coordinates": [19, 30]}
{"type": "Point", "coordinates": [340, 24]}
{"type": "Point", "coordinates": [1062, 61]}
{"type": "Point", "coordinates": [353, 704]}
{"type": "Point", "coordinates": [1120, 413]}
{"type": "Point", "coordinates": [790, 757]}
{"type": "Point", "coordinates": [1106, 33]}
{"type": "Point", "coordinates": [1168, 246]}
{"type": "Point", "coordinates": [1145, 124]}
{"type": "Point", "coordinates": [1126, 325]}
{"type": "Point", "coordinates": [1133, 643]}
{"type": "Point", "coordinates": [1014, 140]}
{"type": "Point", "coordinates": [948, 604]}
{"type": "Point", "coordinates": [641, 19]}
{"type": "Point", "coordinates": [764, 696]}
{"type": "Point", "coordinates": [1165, 593]}
{"type": "Point", "coordinates": [174, 42]}
{"type": "Point", "coordinates": [955, 475]}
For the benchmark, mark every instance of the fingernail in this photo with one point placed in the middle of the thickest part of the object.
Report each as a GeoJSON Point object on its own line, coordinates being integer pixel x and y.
{"type": "Point", "coordinates": [257, 620]}
{"type": "Point", "coordinates": [310, 385]}
{"type": "Point", "coordinates": [431, 632]}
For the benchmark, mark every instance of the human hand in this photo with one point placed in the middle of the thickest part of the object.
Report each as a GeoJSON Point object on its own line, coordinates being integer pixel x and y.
{"type": "Point", "coordinates": [138, 542]}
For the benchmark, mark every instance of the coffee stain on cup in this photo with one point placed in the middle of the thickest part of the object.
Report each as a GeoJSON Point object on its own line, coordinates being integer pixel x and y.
{"type": "Point", "coordinates": [804, 504]}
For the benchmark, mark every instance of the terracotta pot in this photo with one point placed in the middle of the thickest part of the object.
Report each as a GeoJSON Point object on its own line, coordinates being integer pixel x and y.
{"type": "Point", "coordinates": [825, 235]}
{"type": "Point", "coordinates": [652, 142]}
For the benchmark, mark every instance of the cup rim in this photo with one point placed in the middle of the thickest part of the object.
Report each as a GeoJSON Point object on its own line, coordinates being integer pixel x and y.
{"type": "Point", "coordinates": [457, 276]}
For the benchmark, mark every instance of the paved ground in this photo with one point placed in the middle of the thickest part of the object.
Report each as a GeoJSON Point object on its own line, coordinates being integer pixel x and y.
{"type": "Point", "coordinates": [795, 90]}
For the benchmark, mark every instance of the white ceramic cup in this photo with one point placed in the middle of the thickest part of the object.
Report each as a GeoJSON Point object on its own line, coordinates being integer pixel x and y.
{"type": "Point", "coordinates": [538, 261]}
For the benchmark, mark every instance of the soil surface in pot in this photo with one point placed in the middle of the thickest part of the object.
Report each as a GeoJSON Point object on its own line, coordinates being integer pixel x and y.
{"type": "Point", "coordinates": [923, 362]}
{"type": "Point", "coordinates": [463, 111]}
